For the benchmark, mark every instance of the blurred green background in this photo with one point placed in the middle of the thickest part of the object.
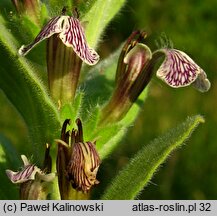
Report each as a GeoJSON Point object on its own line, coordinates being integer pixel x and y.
{"type": "Point", "coordinates": [190, 172]}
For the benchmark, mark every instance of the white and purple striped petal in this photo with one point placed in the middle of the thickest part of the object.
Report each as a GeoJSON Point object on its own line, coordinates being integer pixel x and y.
{"type": "Point", "coordinates": [73, 36]}
{"type": "Point", "coordinates": [54, 26]}
{"type": "Point", "coordinates": [28, 173]}
{"type": "Point", "coordinates": [71, 33]}
{"type": "Point", "coordinates": [178, 69]}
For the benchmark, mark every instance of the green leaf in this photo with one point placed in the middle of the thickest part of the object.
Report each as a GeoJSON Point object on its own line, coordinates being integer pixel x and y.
{"type": "Point", "coordinates": [9, 159]}
{"type": "Point", "coordinates": [98, 17]}
{"type": "Point", "coordinates": [26, 92]}
{"type": "Point", "coordinates": [128, 183]}
{"type": "Point", "coordinates": [109, 138]}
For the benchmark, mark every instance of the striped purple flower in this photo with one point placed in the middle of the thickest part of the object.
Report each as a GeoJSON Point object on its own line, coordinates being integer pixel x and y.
{"type": "Point", "coordinates": [54, 26]}
{"type": "Point", "coordinates": [77, 161]}
{"type": "Point", "coordinates": [27, 173]}
{"type": "Point", "coordinates": [179, 70]}
{"type": "Point", "coordinates": [83, 166]}
{"type": "Point", "coordinates": [71, 33]}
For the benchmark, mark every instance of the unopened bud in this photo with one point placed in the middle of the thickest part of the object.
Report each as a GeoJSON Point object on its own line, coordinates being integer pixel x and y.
{"type": "Point", "coordinates": [131, 78]}
{"type": "Point", "coordinates": [83, 166]}
{"type": "Point", "coordinates": [77, 161]}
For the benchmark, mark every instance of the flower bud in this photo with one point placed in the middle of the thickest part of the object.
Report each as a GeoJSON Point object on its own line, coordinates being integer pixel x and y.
{"type": "Point", "coordinates": [77, 162]}
{"type": "Point", "coordinates": [62, 162]}
{"type": "Point", "coordinates": [131, 78]}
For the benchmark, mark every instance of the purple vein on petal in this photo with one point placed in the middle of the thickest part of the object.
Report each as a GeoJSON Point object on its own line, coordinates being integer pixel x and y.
{"type": "Point", "coordinates": [54, 26]}
{"type": "Point", "coordinates": [178, 69]}
{"type": "Point", "coordinates": [73, 36]}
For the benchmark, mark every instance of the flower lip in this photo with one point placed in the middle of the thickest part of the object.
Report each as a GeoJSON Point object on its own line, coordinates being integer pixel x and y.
{"type": "Point", "coordinates": [28, 173]}
{"type": "Point", "coordinates": [179, 70]}
{"type": "Point", "coordinates": [71, 32]}
{"type": "Point", "coordinates": [202, 83]}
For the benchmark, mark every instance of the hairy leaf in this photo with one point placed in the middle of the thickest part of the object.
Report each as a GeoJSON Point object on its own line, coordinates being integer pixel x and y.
{"type": "Point", "coordinates": [135, 176]}
{"type": "Point", "coordinates": [98, 17]}
{"type": "Point", "coordinates": [9, 159]}
{"type": "Point", "coordinates": [25, 91]}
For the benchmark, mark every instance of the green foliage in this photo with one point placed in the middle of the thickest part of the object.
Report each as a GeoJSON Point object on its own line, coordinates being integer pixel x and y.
{"type": "Point", "coordinates": [98, 17]}
{"type": "Point", "coordinates": [26, 92]}
{"type": "Point", "coordinates": [129, 183]}
{"type": "Point", "coordinates": [24, 83]}
{"type": "Point", "coordinates": [8, 159]}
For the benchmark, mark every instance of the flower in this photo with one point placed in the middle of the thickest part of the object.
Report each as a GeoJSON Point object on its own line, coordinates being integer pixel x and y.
{"type": "Point", "coordinates": [135, 68]}
{"type": "Point", "coordinates": [179, 70]}
{"type": "Point", "coordinates": [83, 166]}
{"type": "Point", "coordinates": [71, 33]}
{"type": "Point", "coordinates": [33, 181]}
{"type": "Point", "coordinates": [132, 76]}
{"type": "Point", "coordinates": [66, 49]}
{"type": "Point", "coordinates": [77, 161]}
{"type": "Point", "coordinates": [27, 173]}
